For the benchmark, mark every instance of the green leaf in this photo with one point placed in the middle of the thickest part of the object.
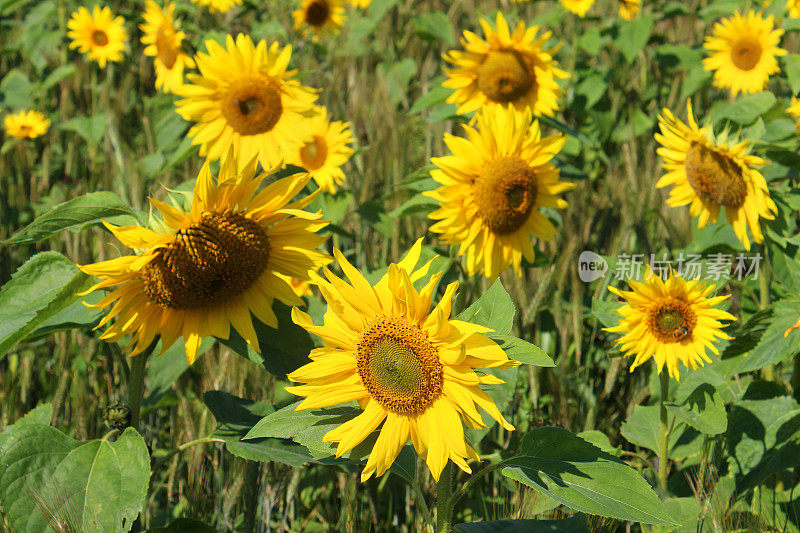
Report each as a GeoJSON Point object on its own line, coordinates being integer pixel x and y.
{"type": "Point", "coordinates": [746, 109]}
{"type": "Point", "coordinates": [494, 310]}
{"type": "Point", "coordinates": [633, 127]}
{"type": "Point", "coordinates": [58, 75]}
{"type": "Point", "coordinates": [523, 351]}
{"type": "Point", "coordinates": [16, 89]}
{"type": "Point", "coordinates": [769, 345]}
{"type": "Point", "coordinates": [433, 98]}
{"type": "Point", "coordinates": [46, 284]}
{"type": "Point", "coordinates": [91, 128]}
{"type": "Point", "coordinates": [236, 417]}
{"type": "Point", "coordinates": [304, 427]}
{"type": "Point", "coordinates": [281, 350]}
{"type": "Point", "coordinates": [606, 311]}
{"type": "Point", "coordinates": [642, 428]}
{"type": "Point", "coordinates": [90, 207]}
{"type": "Point", "coordinates": [634, 35]}
{"type": "Point", "coordinates": [704, 410]}
{"type": "Point", "coordinates": [416, 204]}
{"type": "Point", "coordinates": [685, 511]}
{"type": "Point", "coordinates": [41, 414]}
{"type": "Point", "coordinates": [763, 438]}
{"type": "Point", "coordinates": [95, 485]}
{"type": "Point", "coordinates": [600, 439]}
{"type": "Point", "coordinates": [433, 26]}
{"type": "Point", "coordinates": [584, 478]}
{"type": "Point", "coordinates": [575, 524]}
{"type": "Point", "coordinates": [791, 66]}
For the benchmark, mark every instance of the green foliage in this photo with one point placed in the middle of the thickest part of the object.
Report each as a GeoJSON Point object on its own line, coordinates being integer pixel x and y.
{"type": "Point", "coordinates": [236, 417]}
{"type": "Point", "coordinates": [45, 285]}
{"type": "Point", "coordinates": [584, 478]}
{"type": "Point", "coordinates": [703, 410]}
{"type": "Point", "coordinates": [73, 214]}
{"type": "Point", "coordinates": [47, 477]}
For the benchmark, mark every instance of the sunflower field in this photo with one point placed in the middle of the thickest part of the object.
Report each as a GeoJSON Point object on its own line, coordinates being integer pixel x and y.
{"type": "Point", "coordinates": [399, 266]}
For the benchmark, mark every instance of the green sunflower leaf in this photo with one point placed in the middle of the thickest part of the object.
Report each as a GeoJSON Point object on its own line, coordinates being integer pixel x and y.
{"type": "Point", "coordinates": [581, 476]}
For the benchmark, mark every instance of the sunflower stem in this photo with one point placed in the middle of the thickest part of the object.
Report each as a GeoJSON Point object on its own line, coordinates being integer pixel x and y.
{"type": "Point", "coordinates": [664, 430]}
{"type": "Point", "coordinates": [136, 382]}
{"type": "Point", "coordinates": [444, 503]}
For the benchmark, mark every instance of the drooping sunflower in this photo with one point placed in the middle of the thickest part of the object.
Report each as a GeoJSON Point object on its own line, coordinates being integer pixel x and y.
{"type": "Point", "coordinates": [218, 6]}
{"type": "Point", "coordinates": [26, 124]}
{"type": "Point", "coordinates": [163, 40]}
{"type": "Point", "coordinates": [406, 365]}
{"type": "Point", "coordinates": [98, 34]}
{"type": "Point", "coordinates": [629, 8]}
{"type": "Point", "coordinates": [492, 188]}
{"type": "Point", "coordinates": [742, 52]}
{"type": "Point", "coordinates": [707, 173]}
{"type": "Point", "coordinates": [209, 269]}
{"type": "Point", "coordinates": [579, 7]}
{"type": "Point", "coordinates": [794, 111]}
{"type": "Point", "coordinates": [245, 97]}
{"type": "Point", "coordinates": [505, 68]}
{"type": "Point", "coordinates": [319, 16]}
{"type": "Point", "coordinates": [670, 322]}
{"type": "Point", "coordinates": [325, 150]}
{"type": "Point", "coordinates": [794, 8]}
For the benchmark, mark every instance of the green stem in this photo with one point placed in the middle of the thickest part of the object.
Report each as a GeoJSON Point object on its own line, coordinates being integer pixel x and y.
{"type": "Point", "coordinates": [769, 370]}
{"type": "Point", "coordinates": [663, 433]}
{"type": "Point", "coordinates": [444, 503]}
{"type": "Point", "coordinates": [136, 382]}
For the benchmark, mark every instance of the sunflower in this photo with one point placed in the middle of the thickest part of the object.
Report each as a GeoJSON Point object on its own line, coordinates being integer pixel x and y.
{"type": "Point", "coordinates": [794, 111]}
{"type": "Point", "coordinates": [794, 8]}
{"type": "Point", "coordinates": [26, 125]}
{"type": "Point", "coordinates": [245, 98]}
{"type": "Point", "coordinates": [319, 16]}
{"type": "Point", "coordinates": [98, 34]}
{"type": "Point", "coordinates": [163, 40]}
{"type": "Point", "coordinates": [218, 6]}
{"type": "Point", "coordinates": [670, 322]}
{"type": "Point", "coordinates": [325, 150]}
{"type": "Point", "coordinates": [402, 362]}
{"type": "Point", "coordinates": [363, 4]}
{"type": "Point", "coordinates": [707, 173]}
{"type": "Point", "coordinates": [506, 68]}
{"type": "Point", "coordinates": [743, 52]}
{"type": "Point", "coordinates": [205, 270]}
{"type": "Point", "coordinates": [579, 7]}
{"type": "Point", "coordinates": [492, 188]}
{"type": "Point", "coordinates": [629, 8]}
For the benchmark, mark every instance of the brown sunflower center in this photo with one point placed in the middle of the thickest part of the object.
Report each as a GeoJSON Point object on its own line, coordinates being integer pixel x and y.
{"type": "Point", "coordinates": [317, 13]}
{"type": "Point", "coordinates": [505, 194]}
{"type": "Point", "coordinates": [504, 77]}
{"type": "Point", "coordinates": [399, 366]}
{"type": "Point", "coordinates": [715, 177]}
{"type": "Point", "coordinates": [252, 105]}
{"type": "Point", "coordinates": [209, 263]}
{"type": "Point", "coordinates": [314, 153]}
{"type": "Point", "coordinates": [746, 53]}
{"type": "Point", "coordinates": [671, 320]}
{"type": "Point", "coordinates": [165, 46]}
{"type": "Point", "coordinates": [99, 37]}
